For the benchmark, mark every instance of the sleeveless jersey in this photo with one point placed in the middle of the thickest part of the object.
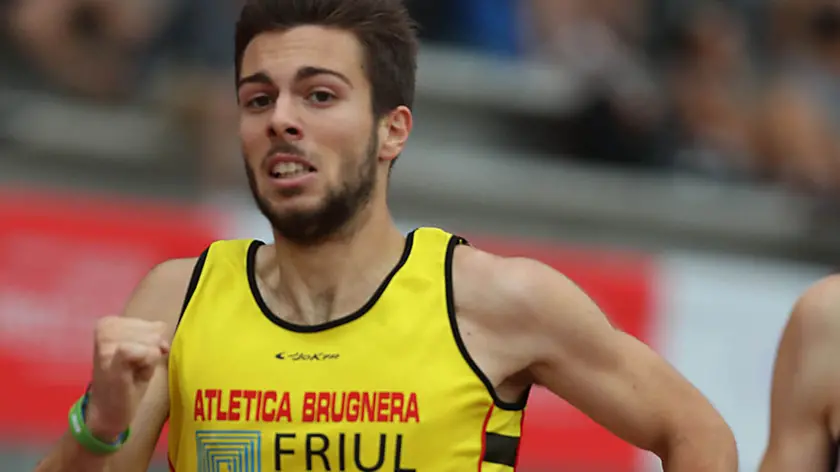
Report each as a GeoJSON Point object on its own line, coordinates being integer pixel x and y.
{"type": "Point", "coordinates": [387, 388]}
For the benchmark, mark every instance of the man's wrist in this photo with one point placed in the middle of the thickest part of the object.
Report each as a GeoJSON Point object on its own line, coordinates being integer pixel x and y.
{"type": "Point", "coordinates": [100, 427]}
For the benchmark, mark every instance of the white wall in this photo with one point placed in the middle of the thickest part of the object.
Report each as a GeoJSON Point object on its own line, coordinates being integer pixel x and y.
{"type": "Point", "coordinates": [721, 319]}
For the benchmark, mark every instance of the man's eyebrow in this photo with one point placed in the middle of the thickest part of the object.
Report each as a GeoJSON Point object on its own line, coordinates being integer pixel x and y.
{"type": "Point", "coordinates": [257, 78]}
{"type": "Point", "coordinates": [310, 71]}
{"type": "Point", "coordinates": [302, 74]}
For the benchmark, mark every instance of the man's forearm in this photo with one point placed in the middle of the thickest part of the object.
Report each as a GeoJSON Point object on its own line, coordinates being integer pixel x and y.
{"type": "Point", "coordinates": [69, 456]}
{"type": "Point", "coordinates": [712, 450]}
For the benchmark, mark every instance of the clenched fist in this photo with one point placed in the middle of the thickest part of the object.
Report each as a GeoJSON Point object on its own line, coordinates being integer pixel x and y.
{"type": "Point", "coordinates": [126, 353]}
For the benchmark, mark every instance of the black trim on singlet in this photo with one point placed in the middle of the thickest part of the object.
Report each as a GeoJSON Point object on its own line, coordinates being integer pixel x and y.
{"type": "Point", "coordinates": [255, 292]}
{"type": "Point", "coordinates": [835, 457]}
{"type": "Point", "coordinates": [501, 449]}
{"type": "Point", "coordinates": [196, 275]}
{"type": "Point", "coordinates": [518, 405]}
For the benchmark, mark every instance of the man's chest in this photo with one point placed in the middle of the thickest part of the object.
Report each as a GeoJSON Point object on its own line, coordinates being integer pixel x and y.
{"type": "Point", "coordinates": [338, 387]}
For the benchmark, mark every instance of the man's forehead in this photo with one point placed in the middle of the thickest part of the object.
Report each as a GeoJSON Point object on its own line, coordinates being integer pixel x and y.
{"type": "Point", "coordinates": [284, 52]}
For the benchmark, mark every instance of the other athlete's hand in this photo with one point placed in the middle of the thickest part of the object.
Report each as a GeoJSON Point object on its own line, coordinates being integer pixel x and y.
{"type": "Point", "coordinates": [126, 353]}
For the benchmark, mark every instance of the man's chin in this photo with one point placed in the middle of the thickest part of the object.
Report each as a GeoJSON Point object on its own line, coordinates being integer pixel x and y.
{"type": "Point", "coordinates": [295, 208]}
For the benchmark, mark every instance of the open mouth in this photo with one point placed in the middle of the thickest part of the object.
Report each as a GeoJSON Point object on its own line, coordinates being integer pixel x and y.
{"type": "Point", "coordinates": [289, 170]}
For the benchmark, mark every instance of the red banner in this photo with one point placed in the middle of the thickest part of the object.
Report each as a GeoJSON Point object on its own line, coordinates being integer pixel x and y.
{"type": "Point", "coordinates": [64, 262]}
{"type": "Point", "coordinates": [621, 284]}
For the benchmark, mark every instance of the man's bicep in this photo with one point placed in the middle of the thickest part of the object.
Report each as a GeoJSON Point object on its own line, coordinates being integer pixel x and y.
{"type": "Point", "coordinates": [620, 383]}
{"type": "Point", "coordinates": [609, 375]}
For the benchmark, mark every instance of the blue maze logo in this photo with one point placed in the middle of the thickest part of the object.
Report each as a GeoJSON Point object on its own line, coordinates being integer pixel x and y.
{"type": "Point", "coordinates": [228, 451]}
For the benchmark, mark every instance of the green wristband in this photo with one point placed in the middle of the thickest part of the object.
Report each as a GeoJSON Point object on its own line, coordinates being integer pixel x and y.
{"type": "Point", "coordinates": [85, 438]}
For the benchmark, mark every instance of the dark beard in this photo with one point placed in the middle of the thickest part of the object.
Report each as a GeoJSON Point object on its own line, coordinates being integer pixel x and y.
{"type": "Point", "coordinates": [334, 215]}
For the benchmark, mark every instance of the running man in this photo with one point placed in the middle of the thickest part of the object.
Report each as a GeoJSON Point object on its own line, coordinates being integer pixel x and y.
{"type": "Point", "coordinates": [346, 345]}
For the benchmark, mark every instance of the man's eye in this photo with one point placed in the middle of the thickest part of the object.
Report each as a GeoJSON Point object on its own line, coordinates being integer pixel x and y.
{"type": "Point", "coordinates": [260, 101]}
{"type": "Point", "coordinates": [321, 96]}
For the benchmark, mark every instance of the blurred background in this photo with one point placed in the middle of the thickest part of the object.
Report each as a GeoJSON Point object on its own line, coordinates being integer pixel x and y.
{"type": "Point", "coordinates": [679, 159]}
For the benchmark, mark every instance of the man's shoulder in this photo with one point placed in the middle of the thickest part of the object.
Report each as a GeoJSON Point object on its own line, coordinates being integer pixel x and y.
{"type": "Point", "coordinates": [161, 293]}
{"type": "Point", "coordinates": [174, 270]}
{"type": "Point", "coordinates": [817, 312]}
{"type": "Point", "coordinates": [475, 270]}
{"type": "Point", "coordinates": [174, 278]}
{"type": "Point", "coordinates": [509, 273]}
{"type": "Point", "coordinates": [504, 286]}
{"type": "Point", "coordinates": [171, 271]}
{"type": "Point", "coordinates": [810, 347]}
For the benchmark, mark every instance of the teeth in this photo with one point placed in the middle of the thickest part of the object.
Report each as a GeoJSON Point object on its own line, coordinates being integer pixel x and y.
{"type": "Point", "coordinates": [288, 169]}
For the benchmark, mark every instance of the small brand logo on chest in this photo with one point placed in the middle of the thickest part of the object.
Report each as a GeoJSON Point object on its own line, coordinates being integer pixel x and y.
{"type": "Point", "coordinates": [307, 356]}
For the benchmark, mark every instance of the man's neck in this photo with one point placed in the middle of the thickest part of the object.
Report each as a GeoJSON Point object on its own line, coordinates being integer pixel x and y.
{"type": "Point", "coordinates": [316, 284]}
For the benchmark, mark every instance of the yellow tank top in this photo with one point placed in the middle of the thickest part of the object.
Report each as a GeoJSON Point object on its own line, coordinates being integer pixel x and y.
{"type": "Point", "coordinates": [387, 388]}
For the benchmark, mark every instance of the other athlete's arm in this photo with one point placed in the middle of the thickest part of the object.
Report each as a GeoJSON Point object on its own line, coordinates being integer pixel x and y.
{"type": "Point", "coordinates": [609, 375]}
{"type": "Point", "coordinates": [158, 298]}
{"type": "Point", "coordinates": [806, 374]}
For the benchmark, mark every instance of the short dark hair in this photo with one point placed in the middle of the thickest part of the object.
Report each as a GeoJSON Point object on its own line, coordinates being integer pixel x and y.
{"type": "Point", "coordinates": [384, 28]}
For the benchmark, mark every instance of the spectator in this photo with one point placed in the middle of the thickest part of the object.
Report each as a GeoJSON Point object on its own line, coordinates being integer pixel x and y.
{"type": "Point", "coordinates": [711, 88]}
{"type": "Point", "coordinates": [84, 46]}
{"type": "Point", "coordinates": [801, 117]}
{"type": "Point", "coordinates": [178, 53]}
{"type": "Point", "coordinates": [599, 43]}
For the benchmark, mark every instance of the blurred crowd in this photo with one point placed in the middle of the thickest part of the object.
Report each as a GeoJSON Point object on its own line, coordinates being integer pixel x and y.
{"type": "Point", "coordinates": [745, 90]}
{"type": "Point", "coordinates": [741, 89]}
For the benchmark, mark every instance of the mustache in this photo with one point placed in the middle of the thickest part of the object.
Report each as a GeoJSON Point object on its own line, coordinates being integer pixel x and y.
{"type": "Point", "coordinates": [284, 148]}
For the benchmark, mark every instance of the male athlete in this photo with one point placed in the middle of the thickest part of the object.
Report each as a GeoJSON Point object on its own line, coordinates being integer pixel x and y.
{"type": "Point", "coordinates": [345, 345]}
{"type": "Point", "coordinates": [805, 402]}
